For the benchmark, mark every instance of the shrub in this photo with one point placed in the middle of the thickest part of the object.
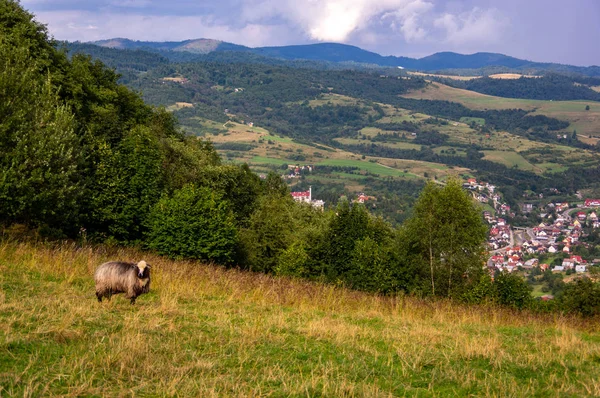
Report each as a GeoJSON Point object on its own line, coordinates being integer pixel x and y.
{"type": "Point", "coordinates": [512, 290]}
{"type": "Point", "coordinates": [582, 297]}
{"type": "Point", "coordinates": [193, 223]}
{"type": "Point", "coordinates": [481, 292]}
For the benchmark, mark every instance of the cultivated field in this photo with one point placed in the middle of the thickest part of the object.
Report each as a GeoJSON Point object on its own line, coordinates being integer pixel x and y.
{"type": "Point", "coordinates": [205, 331]}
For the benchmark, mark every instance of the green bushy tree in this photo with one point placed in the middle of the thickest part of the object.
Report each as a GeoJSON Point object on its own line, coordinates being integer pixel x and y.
{"type": "Point", "coordinates": [582, 296]}
{"type": "Point", "coordinates": [512, 290]}
{"type": "Point", "coordinates": [237, 184]}
{"type": "Point", "coordinates": [446, 236]}
{"type": "Point", "coordinates": [40, 154]}
{"type": "Point", "coordinates": [193, 223]}
{"type": "Point", "coordinates": [128, 182]}
{"type": "Point", "coordinates": [371, 267]}
{"type": "Point", "coordinates": [482, 292]}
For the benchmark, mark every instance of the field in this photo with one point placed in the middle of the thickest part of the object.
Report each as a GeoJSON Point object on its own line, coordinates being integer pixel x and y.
{"type": "Point", "coordinates": [585, 122]}
{"type": "Point", "coordinates": [205, 331]}
{"type": "Point", "coordinates": [509, 159]}
{"type": "Point", "coordinates": [457, 77]}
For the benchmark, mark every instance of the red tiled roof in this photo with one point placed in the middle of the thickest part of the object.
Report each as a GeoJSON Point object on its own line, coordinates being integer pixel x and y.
{"type": "Point", "coordinates": [301, 194]}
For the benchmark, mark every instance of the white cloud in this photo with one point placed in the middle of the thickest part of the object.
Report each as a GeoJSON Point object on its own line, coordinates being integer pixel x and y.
{"type": "Point", "coordinates": [336, 20]}
{"type": "Point", "coordinates": [89, 26]}
{"type": "Point", "coordinates": [472, 28]}
{"type": "Point", "coordinates": [391, 24]}
{"type": "Point", "coordinates": [407, 20]}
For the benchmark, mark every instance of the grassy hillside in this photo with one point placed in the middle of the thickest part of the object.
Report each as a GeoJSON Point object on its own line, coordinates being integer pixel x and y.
{"type": "Point", "coordinates": [585, 122]}
{"type": "Point", "coordinates": [206, 331]}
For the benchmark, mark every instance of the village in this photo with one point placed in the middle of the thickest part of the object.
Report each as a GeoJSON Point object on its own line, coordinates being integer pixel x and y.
{"type": "Point", "coordinates": [553, 241]}
{"type": "Point", "coordinates": [550, 245]}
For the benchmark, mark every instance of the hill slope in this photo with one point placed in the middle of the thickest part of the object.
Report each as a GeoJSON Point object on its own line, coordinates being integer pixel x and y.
{"type": "Point", "coordinates": [335, 52]}
{"type": "Point", "coordinates": [204, 331]}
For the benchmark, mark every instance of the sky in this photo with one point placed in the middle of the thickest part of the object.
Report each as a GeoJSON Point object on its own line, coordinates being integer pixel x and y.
{"type": "Point", "coordinates": [564, 31]}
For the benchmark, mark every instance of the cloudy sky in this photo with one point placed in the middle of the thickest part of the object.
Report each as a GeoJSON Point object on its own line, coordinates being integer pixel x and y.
{"type": "Point", "coordinates": [565, 31]}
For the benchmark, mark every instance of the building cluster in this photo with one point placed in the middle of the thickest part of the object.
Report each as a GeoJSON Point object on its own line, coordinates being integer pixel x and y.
{"type": "Point", "coordinates": [295, 171]}
{"type": "Point", "coordinates": [484, 192]}
{"type": "Point", "coordinates": [560, 234]}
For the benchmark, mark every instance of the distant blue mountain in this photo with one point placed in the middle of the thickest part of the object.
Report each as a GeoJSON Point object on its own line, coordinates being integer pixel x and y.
{"type": "Point", "coordinates": [337, 53]}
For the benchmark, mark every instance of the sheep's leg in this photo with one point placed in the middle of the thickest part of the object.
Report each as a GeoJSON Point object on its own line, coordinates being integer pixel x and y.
{"type": "Point", "coordinates": [131, 296]}
{"type": "Point", "coordinates": [99, 296]}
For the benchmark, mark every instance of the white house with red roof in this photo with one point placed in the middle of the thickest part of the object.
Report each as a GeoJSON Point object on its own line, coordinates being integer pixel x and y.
{"type": "Point", "coordinates": [303, 196]}
{"type": "Point", "coordinates": [306, 197]}
{"type": "Point", "coordinates": [592, 203]}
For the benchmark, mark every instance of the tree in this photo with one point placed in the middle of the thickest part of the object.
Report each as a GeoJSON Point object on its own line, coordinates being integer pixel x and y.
{"type": "Point", "coordinates": [193, 223]}
{"type": "Point", "coordinates": [269, 232]}
{"type": "Point", "coordinates": [581, 296]}
{"type": "Point", "coordinates": [446, 236]}
{"type": "Point", "coordinates": [587, 107]}
{"type": "Point", "coordinates": [40, 154]}
{"type": "Point", "coordinates": [349, 225]}
{"type": "Point", "coordinates": [512, 290]}
{"type": "Point", "coordinates": [127, 183]}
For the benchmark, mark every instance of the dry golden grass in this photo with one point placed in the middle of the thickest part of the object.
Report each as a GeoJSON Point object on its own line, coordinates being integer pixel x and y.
{"type": "Point", "coordinates": [453, 77]}
{"type": "Point", "coordinates": [510, 76]}
{"type": "Point", "coordinates": [178, 79]}
{"type": "Point", "coordinates": [206, 331]}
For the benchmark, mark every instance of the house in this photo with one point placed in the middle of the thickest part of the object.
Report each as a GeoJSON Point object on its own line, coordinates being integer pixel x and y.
{"type": "Point", "coordinates": [319, 204]}
{"type": "Point", "coordinates": [498, 259]}
{"type": "Point", "coordinates": [592, 203]}
{"type": "Point", "coordinates": [472, 181]}
{"type": "Point", "coordinates": [566, 249]}
{"type": "Point", "coordinates": [576, 259]}
{"type": "Point", "coordinates": [593, 216]}
{"type": "Point", "coordinates": [305, 196]}
{"type": "Point", "coordinates": [552, 249]}
{"type": "Point", "coordinates": [581, 215]}
{"type": "Point", "coordinates": [568, 264]}
{"type": "Point", "coordinates": [558, 268]}
{"type": "Point", "coordinates": [544, 267]}
{"type": "Point", "coordinates": [580, 268]}
{"type": "Point", "coordinates": [362, 198]}
{"type": "Point", "coordinates": [527, 208]}
{"type": "Point", "coordinates": [531, 263]}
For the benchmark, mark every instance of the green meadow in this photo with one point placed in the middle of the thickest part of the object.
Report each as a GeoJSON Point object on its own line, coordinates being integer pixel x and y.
{"type": "Point", "coordinates": [211, 332]}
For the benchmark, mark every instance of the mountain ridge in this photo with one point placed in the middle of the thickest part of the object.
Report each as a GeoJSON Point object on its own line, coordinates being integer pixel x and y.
{"type": "Point", "coordinates": [337, 53]}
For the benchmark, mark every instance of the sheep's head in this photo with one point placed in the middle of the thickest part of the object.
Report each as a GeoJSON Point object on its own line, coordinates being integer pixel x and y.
{"type": "Point", "coordinates": [143, 269]}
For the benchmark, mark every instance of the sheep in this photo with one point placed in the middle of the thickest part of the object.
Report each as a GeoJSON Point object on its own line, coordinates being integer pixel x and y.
{"type": "Point", "coordinates": [119, 277]}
